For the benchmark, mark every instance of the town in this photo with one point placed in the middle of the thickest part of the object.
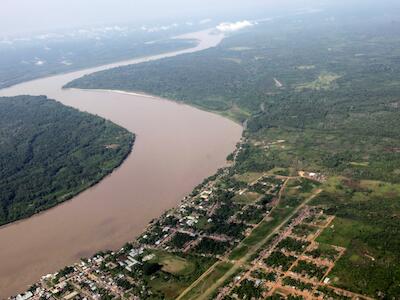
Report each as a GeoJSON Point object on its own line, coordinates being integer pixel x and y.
{"type": "Point", "coordinates": [237, 236]}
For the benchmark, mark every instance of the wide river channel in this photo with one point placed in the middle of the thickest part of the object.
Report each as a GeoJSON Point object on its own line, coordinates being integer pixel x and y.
{"type": "Point", "coordinates": [176, 147]}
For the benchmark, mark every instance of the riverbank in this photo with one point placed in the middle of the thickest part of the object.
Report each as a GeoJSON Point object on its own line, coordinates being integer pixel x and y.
{"type": "Point", "coordinates": [154, 178]}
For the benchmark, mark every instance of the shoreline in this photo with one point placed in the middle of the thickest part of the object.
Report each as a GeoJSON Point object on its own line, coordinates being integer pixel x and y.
{"type": "Point", "coordinates": [106, 66]}
{"type": "Point", "coordinates": [155, 97]}
{"type": "Point", "coordinates": [80, 191]}
{"type": "Point", "coordinates": [134, 229]}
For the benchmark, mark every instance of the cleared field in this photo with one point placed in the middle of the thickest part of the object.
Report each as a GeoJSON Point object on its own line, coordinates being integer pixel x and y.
{"type": "Point", "coordinates": [324, 81]}
{"type": "Point", "coordinates": [171, 289]}
{"type": "Point", "coordinates": [341, 232]}
{"type": "Point", "coordinates": [246, 198]}
{"type": "Point", "coordinates": [177, 273]}
{"type": "Point", "coordinates": [199, 287]}
{"type": "Point", "coordinates": [306, 67]}
{"type": "Point", "coordinates": [249, 177]}
{"type": "Point", "coordinates": [173, 264]}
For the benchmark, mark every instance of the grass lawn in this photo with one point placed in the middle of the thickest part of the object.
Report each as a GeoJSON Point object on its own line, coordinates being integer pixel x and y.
{"type": "Point", "coordinates": [173, 264]}
{"type": "Point", "coordinates": [177, 272]}
{"type": "Point", "coordinates": [248, 177]}
{"type": "Point", "coordinates": [170, 289]}
{"type": "Point", "coordinates": [219, 270]}
{"type": "Point", "coordinates": [280, 171]}
{"type": "Point", "coordinates": [203, 223]}
{"type": "Point", "coordinates": [246, 198]}
{"type": "Point", "coordinates": [342, 231]}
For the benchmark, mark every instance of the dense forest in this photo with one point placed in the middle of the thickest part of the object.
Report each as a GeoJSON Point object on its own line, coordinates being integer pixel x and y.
{"type": "Point", "coordinates": [335, 85]}
{"type": "Point", "coordinates": [24, 60]}
{"type": "Point", "coordinates": [328, 89]}
{"type": "Point", "coordinates": [50, 152]}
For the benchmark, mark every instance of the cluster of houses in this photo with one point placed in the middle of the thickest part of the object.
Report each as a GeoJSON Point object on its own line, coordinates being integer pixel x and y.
{"type": "Point", "coordinates": [130, 259]}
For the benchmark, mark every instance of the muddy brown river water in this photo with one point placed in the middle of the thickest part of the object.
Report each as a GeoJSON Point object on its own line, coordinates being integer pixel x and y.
{"type": "Point", "coordinates": [177, 146]}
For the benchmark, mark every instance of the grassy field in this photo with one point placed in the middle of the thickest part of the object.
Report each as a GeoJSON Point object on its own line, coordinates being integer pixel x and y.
{"type": "Point", "coordinates": [177, 272]}
{"type": "Point", "coordinates": [201, 286]}
{"type": "Point", "coordinates": [170, 289]}
{"type": "Point", "coordinates": [246, 198]}
{"type": "Point", "coordinates": [342, 231]}
{"type": "Point", "coordinates": [249, 177]}
{"type": "Point", "coordinates": [324, 81]}
{"type": "Point", "coordinates": [173, 264]}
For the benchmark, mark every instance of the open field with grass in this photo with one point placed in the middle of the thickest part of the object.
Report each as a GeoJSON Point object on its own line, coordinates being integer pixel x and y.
{"type": "Point", "coordinates": [196, 291]}
{"type": "Point", "coordinates": [173, 264]}
{"type": "Point", "coordinates": [246, 198]}
{"type": "Point", "coordinates": [324, 81]}
{"type": "Point", "coordinates": [177, 272]}
{"type": "Point", "coordinates": [249, 177]}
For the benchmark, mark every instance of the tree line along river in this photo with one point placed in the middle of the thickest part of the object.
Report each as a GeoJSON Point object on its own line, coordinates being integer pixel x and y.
{"type": "Point", "coordinates": [176, 147]}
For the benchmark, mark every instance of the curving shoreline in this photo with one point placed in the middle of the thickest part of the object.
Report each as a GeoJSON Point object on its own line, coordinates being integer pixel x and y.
{"type": "Point", "coordinates": [168, 160]}
{"type": "Point", "coordinates": [75, 194]}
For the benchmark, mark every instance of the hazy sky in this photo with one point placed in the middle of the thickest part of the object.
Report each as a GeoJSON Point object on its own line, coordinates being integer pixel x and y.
{"type": "Point", "coordinates": [22, 16]}
{"type": "Point", "coordinates": [30, 15]}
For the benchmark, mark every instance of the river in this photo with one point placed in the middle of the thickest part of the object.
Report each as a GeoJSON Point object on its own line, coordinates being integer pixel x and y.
{"type": "Point", "coordinates": [176, 147]}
